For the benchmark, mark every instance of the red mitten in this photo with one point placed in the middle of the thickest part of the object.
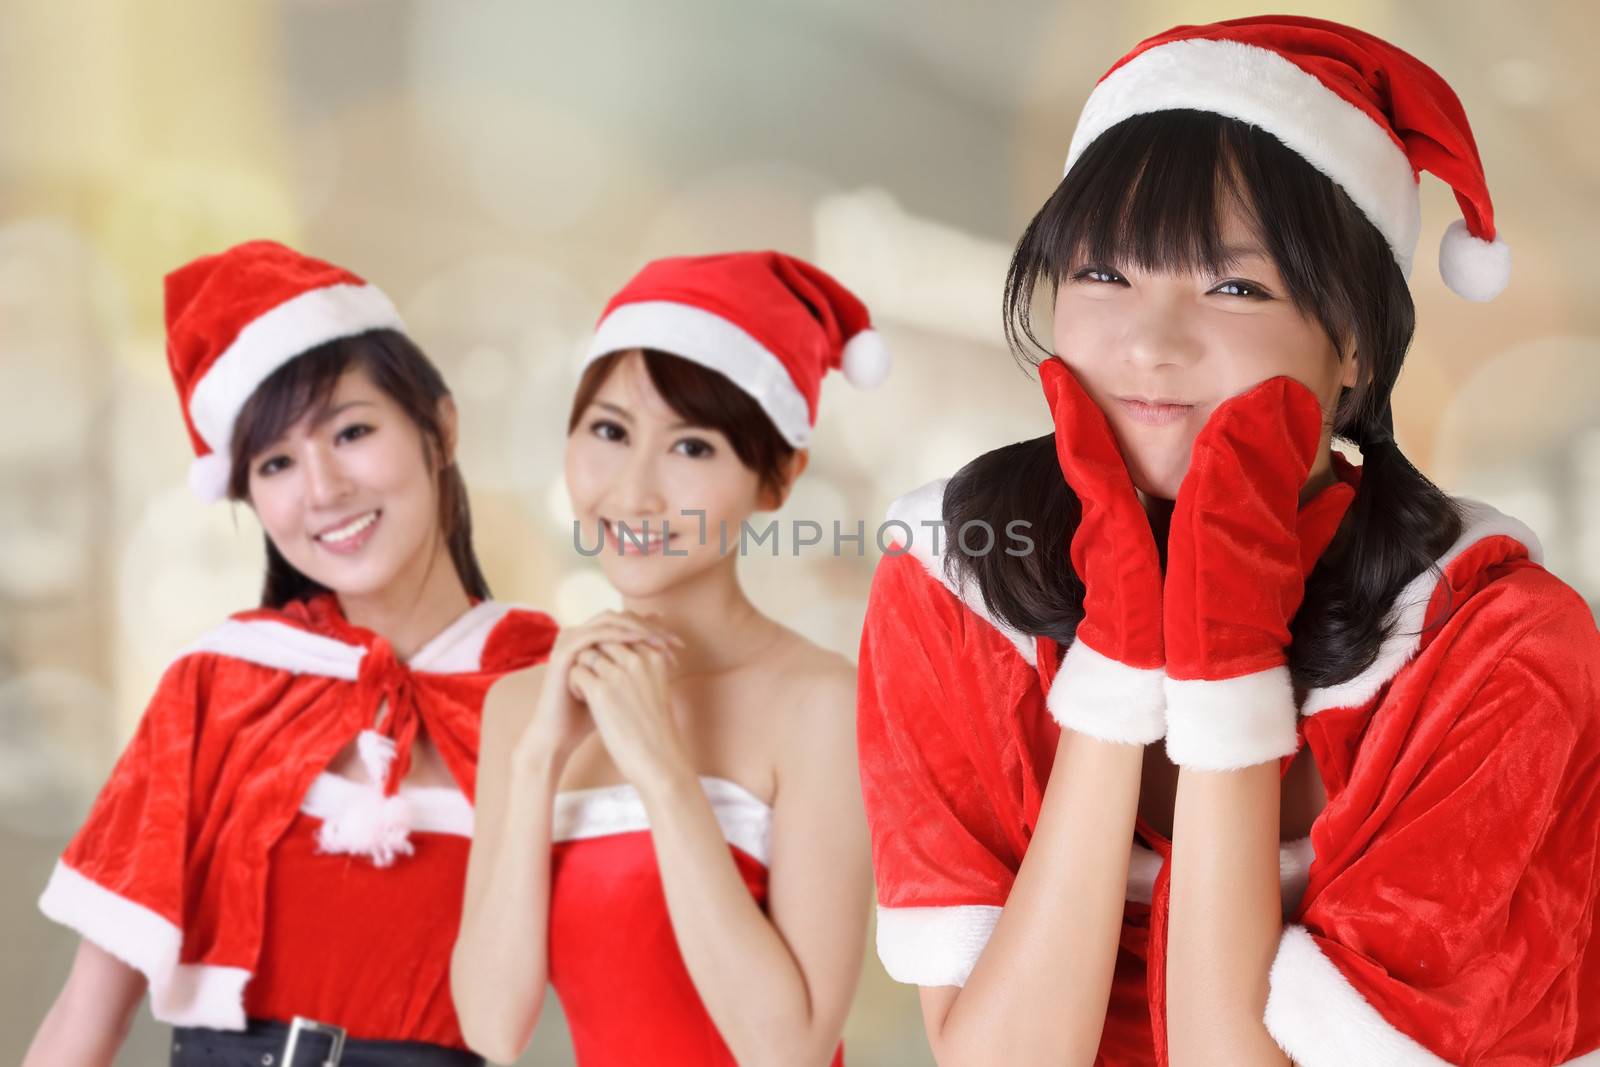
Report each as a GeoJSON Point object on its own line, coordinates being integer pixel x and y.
{"type": "Point", "coordinates": [1110, 681]}
{"type": "Point", "coordinates": [1238, 553]}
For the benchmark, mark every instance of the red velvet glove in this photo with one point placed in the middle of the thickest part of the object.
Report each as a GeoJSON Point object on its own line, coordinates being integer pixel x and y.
{"type": "Point", "coordinates": [1110, 681]}
{"type": "Point", "coordinates": [1238, 553]}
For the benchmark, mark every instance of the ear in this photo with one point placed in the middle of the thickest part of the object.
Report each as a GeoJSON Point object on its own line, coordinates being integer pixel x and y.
{"type": "Point", "coordinates": [449, 421]}
{"type": "Point", "coordinates": [1349, 367]}
{"type": "Point", "coordinates": [773, 499]}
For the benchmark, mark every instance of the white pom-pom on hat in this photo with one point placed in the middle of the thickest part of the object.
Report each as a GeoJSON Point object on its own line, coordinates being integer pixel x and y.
{"type": "Point", "coordinates": [865, 360]}
{"type": "Point", "coordinates": [1472, 267]}
{"type": "Point", "coordinates": [208, 477]}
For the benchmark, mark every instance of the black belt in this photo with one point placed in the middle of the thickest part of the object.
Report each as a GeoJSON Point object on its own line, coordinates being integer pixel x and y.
{"type": "Point", "coordinates": [304, 1043]}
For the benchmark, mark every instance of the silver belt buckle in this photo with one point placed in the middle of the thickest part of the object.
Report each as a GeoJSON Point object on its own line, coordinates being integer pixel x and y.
{"type": "Point", "coordinates": [304, 1025]}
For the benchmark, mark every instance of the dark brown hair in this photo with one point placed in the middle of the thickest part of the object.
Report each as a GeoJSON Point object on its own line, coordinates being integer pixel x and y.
{"type": "Point", "coordinates": [702, 397]}
{"type": "Point", "coordinates": [1147, 192]}
{"type": "Point", "coordinates": [304, 384]}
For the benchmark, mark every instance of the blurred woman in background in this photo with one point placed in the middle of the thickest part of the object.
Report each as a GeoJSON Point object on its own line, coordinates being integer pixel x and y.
{"type": "Point", "coordinates": [280, 852]}
{"type": "Point", "coordinates": [670, 824]}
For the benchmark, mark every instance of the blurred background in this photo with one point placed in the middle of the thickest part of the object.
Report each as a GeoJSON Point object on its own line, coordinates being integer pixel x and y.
{"type": "Point", "coordinates": [499, 168]}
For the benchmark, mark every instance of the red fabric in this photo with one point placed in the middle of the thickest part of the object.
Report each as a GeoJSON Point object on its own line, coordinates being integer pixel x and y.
{"type": "Point", "coordinates": [614, 959]}
{"type": "Point", "coordinates": [797, 311]}
{"type": "Point", "coordinates": [361, 947]}
{"type": "Point", "coordinates": [1456, 872]}
{"type": "Point", "coordinates": [224, 755]}
{"type": "Point", "coordinates": [1456, 862]}
{"type": "Point", "coordinates": [1240, 544]}
{"type": "Point", "coordinates": [1407, 98]}
{"type": "Point", "coordinates": [209, 300]}
{"type": "Point", "coordinates": [1113, 548]}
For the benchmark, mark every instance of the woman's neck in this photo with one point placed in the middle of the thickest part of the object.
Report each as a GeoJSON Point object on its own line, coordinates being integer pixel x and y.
{"type": "Point", "coordinates": [719, 625]}
{"type": "Point", "coordinates": [411, 610]}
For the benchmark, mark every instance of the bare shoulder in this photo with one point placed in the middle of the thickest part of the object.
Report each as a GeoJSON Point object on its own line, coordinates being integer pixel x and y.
{"type": "Point", "coordinates": [812, 679]}
{"type": "Point", "coordinates": [511, 700]}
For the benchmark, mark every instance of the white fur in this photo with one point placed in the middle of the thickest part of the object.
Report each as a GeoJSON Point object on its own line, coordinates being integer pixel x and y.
{"type": "Point", "coordinates": [865, 360]}
{"type": "Point", "coordinates": [180, 994]}
{"type": "Point", "coordinates": [745, 819]}
{"type": "Point", "coordinates": [1231, 723]}
{"type": "Point", "coordinates": [926, 504]}
{"type": "Point", "coordinates": [934, 946]}
{"type": "Point", "coordinates": [1261, 87]}
{"type": "Point", "coordinates": [434, 809]}
{"type": "Point", "coordinates": [208, 477]}
{"type": "Point", "coordinates": [273, 339]}
{"type": "Point", "coordinates": [1406, 615]}
{"type": "Point", "coordinates": [1472, 267]}
{"type": "Point", "coordinates": [712, 341]}
{"type": "Point", "coordinates": [1096, 695]}
{"type": "Point", "coordinates": [1318, 1018]}
{"type": "Point", "coordinates": [458, 648]}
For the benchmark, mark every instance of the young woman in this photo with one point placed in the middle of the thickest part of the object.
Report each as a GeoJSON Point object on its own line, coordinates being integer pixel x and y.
{"type": "Point", "coordinates": [670, 828]}
{"type": "Point", "coordinates": [280, 852]}
{"type": "Point", "coordinates": [1371, 835]}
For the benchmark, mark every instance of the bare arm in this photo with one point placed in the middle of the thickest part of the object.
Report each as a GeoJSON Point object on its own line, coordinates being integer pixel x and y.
{"type": "Point", "coordinates": [1039, 991]}
{"type": "Point", "coordinates": [1226, 918]}
{"type": "Point", "coordinates": [498, 970]}
{"type": "Point", "coordinates": [778, 985]}
{"type": "Point", "coordinates": [91, 1016]}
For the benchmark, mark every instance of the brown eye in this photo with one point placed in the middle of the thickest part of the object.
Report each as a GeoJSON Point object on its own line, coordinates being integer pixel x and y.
{"type": "Point", "coordinates": [695, 448]}
{"type": "Point", "coordinates": [607, 430]}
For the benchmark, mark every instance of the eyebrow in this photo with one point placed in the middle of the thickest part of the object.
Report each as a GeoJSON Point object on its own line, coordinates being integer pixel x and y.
{"type": "Point", "coordinates": [623, 413]}
{"type": "Point", "coordinates": [1234, 253]}
{"type": "Point", "coordinates": [325, 417]}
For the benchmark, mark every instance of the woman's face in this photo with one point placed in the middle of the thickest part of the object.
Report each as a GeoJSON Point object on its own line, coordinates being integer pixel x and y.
{"type": "Point", "coordinates": [347, 494]}
{"type": "Point", "coordinates": [633, 464]}
{"type": "Point", "coordinates": [1159, 352]}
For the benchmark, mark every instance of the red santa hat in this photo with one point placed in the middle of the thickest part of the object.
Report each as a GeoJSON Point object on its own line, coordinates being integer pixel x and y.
{"type": "Point", "coordinates": [770, 323]}
{"type": "Point", "coordinates": [235, 317]}
{"type": "Point", "coordinates": [1366, 114]}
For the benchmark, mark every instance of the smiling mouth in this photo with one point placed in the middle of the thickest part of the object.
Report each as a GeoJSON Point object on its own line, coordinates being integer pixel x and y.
{"type": "Point", "coordinates": [642, 538]}
{"type": "Point", "coordinates": [1157, 411]}
{"type": "Point", "coordinates": [347, 533]}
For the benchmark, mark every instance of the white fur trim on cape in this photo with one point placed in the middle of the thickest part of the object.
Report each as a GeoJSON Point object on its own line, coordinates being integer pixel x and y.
{"type": "Point", "coordinates": [273, 339]}
{"type": "Point", "coordinates": [1227, 724]}
{"type": "Point", "coordinates": [1472, 267]}
{"type": "Point", "coordinates": [1406, 615]}
{"type": "Point", "coordinates": [457, 649]}
{"type": "Point", "coordinates": [180, 994]}
{"type": "Point", "coordinates": [926, 505]}
{"type": "Point", "coordinates": [745, 819]}
{"type": "Point", "coordinates": [1318, 1018]}
{"type": "Point", "coordinates": [434, 809]}
{"type": "Point", "coordinates": [712, 341]}
{"type": "Point", "coordinates": [934, 946]}
{"type": "Point", "coordinates": [278, 645]}
{"type": "Point", "coordinates": [1096, 695]}
{"type": "Point", "coordinates": [1261, 87]}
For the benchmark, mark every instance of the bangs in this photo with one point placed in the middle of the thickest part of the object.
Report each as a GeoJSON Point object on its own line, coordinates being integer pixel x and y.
{"type": "Point", "coordinates": [1150, 193]}
{"type": "Point", "coordinates": [302, 386]}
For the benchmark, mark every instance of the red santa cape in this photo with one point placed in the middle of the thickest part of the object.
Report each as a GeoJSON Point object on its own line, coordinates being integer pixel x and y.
{"type": "Point", "coordinates": [169, 871]}
{"type": "Point", "coordinates": [1448, 886]}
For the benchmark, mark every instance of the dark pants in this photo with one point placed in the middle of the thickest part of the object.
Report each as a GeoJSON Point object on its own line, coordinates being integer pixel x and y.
{"type": "Point", "coordinates": [262, 1044]}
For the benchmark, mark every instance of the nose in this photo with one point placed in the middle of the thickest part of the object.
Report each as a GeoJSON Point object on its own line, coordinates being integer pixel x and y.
{"type": "Point", "coordinates": [637, 492]}
{"type": "Point", "coordinates": [326, 480]}
{"type": "Point", "coordinates": [1161, 333]}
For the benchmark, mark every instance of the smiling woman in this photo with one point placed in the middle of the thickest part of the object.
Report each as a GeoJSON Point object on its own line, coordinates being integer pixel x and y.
{"type": "Point", "coordinates": [298, 787]}
{"type": "Point", "coordinates": [670, 830]}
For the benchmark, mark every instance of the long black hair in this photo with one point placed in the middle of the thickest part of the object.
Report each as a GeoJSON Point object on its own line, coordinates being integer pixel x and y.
{"type": "Point", "coordinates": [397, 367]}
{"type": "Point", "coordinates": [1148, 192]}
